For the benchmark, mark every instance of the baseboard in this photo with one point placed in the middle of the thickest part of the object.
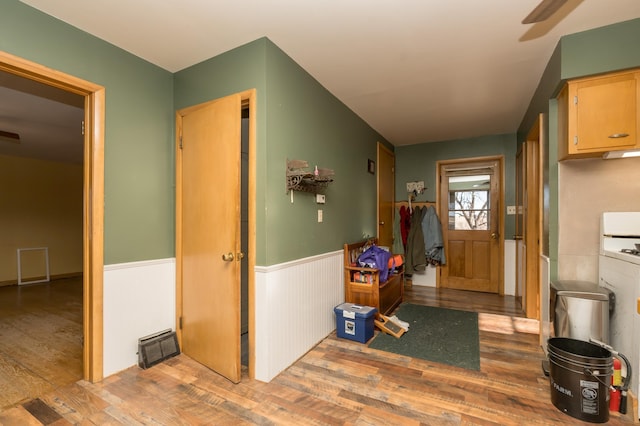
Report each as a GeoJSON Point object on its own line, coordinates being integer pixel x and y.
{"type": "Point", "coordinates": [51, 278]}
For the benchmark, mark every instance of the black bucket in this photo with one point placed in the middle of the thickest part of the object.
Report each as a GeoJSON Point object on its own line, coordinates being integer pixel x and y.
{"type": "Point", "coordinates": [580, 374]}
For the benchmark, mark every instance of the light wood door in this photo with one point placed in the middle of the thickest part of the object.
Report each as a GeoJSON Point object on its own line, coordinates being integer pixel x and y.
{"type": "Point", "coordinates": [209, 222]}
{"type": "Point", "coordinates": [521, 249]}
{"type": "Point", "coordinates": [469, 203]}
{"type": "Point", "coordinates": [386, 191]}
{"type": "Point", "coordinates": [528, 226]}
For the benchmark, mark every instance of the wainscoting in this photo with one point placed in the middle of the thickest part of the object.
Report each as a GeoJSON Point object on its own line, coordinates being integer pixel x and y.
{"type": "Point", "coordinates": [545, 306]}
{"type": "Point", "coordinates": [294, 309]}
{"type": "Point", "coordinates": [139, 299]}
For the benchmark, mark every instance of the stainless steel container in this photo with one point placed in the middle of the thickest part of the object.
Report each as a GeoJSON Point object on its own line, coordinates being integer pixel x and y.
{"type": "Point", "coordinates": [581, 310]}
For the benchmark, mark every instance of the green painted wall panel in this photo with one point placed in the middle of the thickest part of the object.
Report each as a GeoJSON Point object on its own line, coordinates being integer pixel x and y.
{"type": "Point", "coordinates": [306, 122]}
{"type": "Point", "coordinates": [139, 183]}
{"type": "Point", "coordinates": [418, 162]}
{"type": "Point", "coordinates": [297, 118]}
{"type": "Point", "coordinates": [610, 48]}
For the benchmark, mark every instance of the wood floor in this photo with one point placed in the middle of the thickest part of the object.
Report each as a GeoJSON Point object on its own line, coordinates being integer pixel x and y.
{"type": "Point", "coordinates": [40, 338]}
{"type": "Point", "coordinates": [338, 382]}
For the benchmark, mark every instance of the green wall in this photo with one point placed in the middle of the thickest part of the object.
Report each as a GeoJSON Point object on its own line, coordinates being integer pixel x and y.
{"type": "Point", "coordinates": [298, 119]}
{"type": "Point", "coordinates": [610, 48]}
{"type": "Point", "coordinates": [418, 162]}
{"type": "Point", "coordinates": [606, 49]}
{"type": "Point", "coordinates": [139, 183]}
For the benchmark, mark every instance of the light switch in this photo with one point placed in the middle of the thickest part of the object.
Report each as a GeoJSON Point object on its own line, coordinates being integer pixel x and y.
{"type": "Point", "coordinates": [319, 216]}
{"type": "Point", "coordinates": [511, 209]}
{"type": "Point", "coordinates": [320, 198]}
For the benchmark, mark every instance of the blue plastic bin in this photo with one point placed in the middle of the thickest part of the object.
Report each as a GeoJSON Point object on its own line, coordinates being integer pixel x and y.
{"type": "Point", "coordinates": [354, 322]}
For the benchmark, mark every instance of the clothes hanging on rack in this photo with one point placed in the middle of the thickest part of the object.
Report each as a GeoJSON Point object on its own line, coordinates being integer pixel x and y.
{"type": "Point", "coordinates": [405, 223]}
{"type": "Point", "coordinates": [398, 245]}
{"type": "Point", "coordinates": [415, 257]}
{"type": "Point", "coordinates": [433, 242]}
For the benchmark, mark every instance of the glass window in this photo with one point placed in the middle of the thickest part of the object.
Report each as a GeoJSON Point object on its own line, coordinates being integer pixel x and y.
{"type": "Point", "coordinates": [469, 202]}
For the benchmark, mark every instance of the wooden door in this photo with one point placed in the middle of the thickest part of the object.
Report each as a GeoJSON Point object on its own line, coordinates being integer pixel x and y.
{"type": "Point", "coordinates": [469, 200]}
{"type": "Point", "coordinates": [521, 256]}
{"type": "Point", "coordinates": [386, 191]}
{"type": "Point", "coordinates": [208, 220]}
{"type": "Point", "coordinates": [532, 206]}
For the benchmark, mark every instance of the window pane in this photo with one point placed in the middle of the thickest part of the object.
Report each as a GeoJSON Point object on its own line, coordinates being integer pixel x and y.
{"type": "Point", "coordinates": [469, 202]}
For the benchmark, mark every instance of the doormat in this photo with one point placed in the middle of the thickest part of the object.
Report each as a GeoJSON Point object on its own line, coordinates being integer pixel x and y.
{"type": "Point", "coordinates": [447, 336]}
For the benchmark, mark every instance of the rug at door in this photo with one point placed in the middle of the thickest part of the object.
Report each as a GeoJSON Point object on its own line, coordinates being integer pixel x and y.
{"type": "Point", "coordinates": [446, 336]}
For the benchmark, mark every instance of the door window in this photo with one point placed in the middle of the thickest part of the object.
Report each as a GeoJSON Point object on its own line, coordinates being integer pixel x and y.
{"type": "Point", "coordinates": [469, 202]}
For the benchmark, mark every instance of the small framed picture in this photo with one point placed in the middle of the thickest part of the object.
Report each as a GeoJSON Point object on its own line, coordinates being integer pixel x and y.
{"type": "Point", "coordinates": [371, 167]}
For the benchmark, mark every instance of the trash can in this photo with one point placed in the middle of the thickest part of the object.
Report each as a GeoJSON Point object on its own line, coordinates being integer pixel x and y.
{"type": "Point", "coordinates": [581, 310]}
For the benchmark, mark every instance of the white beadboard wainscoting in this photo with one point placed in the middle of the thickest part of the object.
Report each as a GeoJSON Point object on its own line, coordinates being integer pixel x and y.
{"type": "Point", "coordinates": [139, 299]}
{"type": "Point", "coordinates": [294, 309]}
{"type": "Point", "coordinates": [545, 304]}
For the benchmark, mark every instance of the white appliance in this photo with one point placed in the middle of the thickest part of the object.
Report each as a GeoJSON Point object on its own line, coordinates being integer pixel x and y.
{"type": "Point", "coordinates": [619, 270]}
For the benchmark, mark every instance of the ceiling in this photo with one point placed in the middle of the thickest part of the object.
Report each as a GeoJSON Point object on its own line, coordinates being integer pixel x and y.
{"type": "Point", "coordinates": [415, 70]}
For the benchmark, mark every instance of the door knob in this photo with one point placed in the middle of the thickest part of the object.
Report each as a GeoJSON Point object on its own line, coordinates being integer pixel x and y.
{"type": "Point", "coordinates": [494, 235]}
{"type": "Point", "coordinates": [227, 257]}
{"type": "Point", "coordinates": [382, 222]}
{"type": "Point", "coordinates": [240, 256]}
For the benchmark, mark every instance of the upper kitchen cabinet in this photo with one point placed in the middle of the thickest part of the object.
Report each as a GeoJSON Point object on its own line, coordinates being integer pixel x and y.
{"type": "Point", "coordinates": [598, 114]}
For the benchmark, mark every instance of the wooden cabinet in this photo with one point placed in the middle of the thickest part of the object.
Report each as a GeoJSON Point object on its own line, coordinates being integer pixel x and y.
{"type": "Point", "coordinates": [598, 114]}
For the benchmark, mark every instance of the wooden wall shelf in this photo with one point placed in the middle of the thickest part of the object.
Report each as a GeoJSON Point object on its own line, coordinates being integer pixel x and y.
{"type": "Point", "coordinates": [300, 178]}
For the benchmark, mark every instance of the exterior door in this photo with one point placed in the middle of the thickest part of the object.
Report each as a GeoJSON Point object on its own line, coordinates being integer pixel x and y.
{"type": "Point", "coordinates": [386, 190]}
{"type": "Point", "coordinates": [208, 226]}
{"type": "Point", "coordinates": [469, 200]}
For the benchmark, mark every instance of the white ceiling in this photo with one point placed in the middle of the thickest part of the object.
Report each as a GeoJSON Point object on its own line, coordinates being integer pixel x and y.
{"type": "Point", "coordinates": [48, 120]}
{"type": "Point", "coordinates": [415, 70]}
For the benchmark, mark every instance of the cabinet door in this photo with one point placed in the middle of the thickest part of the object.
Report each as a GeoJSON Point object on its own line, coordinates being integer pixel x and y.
{"type": "Point", "coordinates": [604, 113]}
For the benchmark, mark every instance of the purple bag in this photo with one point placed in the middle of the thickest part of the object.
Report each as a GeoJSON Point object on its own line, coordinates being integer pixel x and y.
{"type": "Point", "coordinates": [375, 257]}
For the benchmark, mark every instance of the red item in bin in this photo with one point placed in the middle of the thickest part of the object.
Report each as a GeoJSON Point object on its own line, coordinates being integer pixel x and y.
{"type": "Point", "coordinates": [614, 399]}
{"type": "Point", "coordinates": [616, 379]}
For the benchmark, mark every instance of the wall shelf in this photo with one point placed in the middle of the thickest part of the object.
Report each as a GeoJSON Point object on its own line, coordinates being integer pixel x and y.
{"type": "Point", "coordinates": [300, 178]}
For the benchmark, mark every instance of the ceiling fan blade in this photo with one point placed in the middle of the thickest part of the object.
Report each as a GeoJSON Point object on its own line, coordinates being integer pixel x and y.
{"type": "Point", "coordinates": [9, 137]}
{"type": "Point", "coordinates": [543, 11]}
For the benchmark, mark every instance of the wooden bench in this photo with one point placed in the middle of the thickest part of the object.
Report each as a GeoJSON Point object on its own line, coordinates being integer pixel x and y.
{"type": "Point", "coordinates": [385, 296]}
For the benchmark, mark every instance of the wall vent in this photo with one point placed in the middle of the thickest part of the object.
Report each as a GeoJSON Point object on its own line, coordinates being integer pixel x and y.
{"type": "Point", "coordinates": [157, 347]}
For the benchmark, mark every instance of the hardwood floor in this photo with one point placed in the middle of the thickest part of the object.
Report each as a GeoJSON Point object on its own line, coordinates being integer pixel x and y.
{"type": "Point", "coordinates": [338, 382]}
{"type": "Point", "coordinates": [40, 338]}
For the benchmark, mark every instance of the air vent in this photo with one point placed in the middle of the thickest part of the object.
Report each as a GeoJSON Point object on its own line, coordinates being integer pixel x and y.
{"type": "Point", "coordinates": [155, 348]}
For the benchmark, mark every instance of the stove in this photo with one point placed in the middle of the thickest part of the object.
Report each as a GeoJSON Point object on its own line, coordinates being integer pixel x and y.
{"type": "Point", "coordinates": [631, 251]}
{"type": "Point", "coordinates": [619, 271]}
{"type": "Point", "coordinates": [619, 234]}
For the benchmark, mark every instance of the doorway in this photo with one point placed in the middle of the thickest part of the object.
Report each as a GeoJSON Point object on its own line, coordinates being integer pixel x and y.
{"type": "Point", "coordinates": [470, 196]}
{"type": "Point", "coordinates": [215, 232]}
{"type": "Point", "coordinates": [93, 199]}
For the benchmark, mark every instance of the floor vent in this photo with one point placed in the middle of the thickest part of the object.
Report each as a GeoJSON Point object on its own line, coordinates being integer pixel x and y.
{"type": "Point", "coordinates": [157, 347]}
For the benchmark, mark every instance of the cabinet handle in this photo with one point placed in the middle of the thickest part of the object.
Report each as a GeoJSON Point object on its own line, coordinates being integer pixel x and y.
{"type": "Point", "coordinates": [618, 135]}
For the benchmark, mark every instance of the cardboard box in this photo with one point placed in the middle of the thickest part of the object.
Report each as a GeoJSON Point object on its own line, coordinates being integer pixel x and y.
{"type": "Point", "coordinates": [355, 322]}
